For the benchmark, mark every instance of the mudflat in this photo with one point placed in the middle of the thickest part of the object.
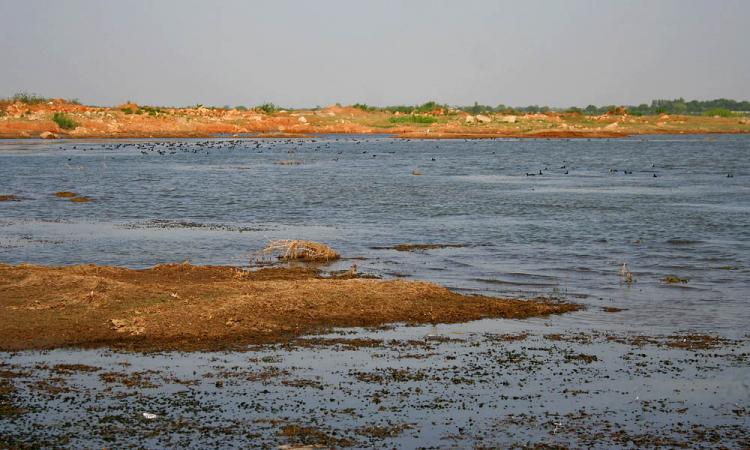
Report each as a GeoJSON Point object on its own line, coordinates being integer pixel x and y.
{"type": "Point", "coordinates": [192, 308]}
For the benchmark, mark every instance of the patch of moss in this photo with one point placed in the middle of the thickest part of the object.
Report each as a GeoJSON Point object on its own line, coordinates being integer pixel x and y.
{"type": "Point", "coordinates": [671, 279]}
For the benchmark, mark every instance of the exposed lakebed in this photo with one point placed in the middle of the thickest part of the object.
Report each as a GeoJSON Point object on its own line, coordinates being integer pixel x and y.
{"type": "Point", "coordinates": [614, 374]}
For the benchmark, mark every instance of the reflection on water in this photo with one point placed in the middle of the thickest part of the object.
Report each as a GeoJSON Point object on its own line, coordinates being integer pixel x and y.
{"type": "Point", "coordinates": [566, 232]}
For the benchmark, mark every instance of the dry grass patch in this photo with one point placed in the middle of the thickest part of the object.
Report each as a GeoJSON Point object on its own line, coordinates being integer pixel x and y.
{"type": "Point", "coordinates": [186, 307]}
{"type": "Point", "coordinates": [298, 250]}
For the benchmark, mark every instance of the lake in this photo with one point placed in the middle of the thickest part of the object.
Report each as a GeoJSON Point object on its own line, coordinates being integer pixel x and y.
{"type": "Point", "coordinates": [667, 206]}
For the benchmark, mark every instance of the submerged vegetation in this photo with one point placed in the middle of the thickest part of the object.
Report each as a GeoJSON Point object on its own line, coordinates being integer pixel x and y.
{"type": "Point", "coordinates": [671, 279]}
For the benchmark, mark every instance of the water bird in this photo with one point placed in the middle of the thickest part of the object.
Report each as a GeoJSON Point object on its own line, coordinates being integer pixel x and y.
{"type": "Point", "coordinates": [730, 175]}
{"type": "Point", "coordinates": [654, 175]}
{"type": "Point", "coordinates": [626, 273]}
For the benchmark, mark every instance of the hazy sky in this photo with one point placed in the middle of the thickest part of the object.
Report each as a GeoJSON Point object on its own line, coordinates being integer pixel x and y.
{"type": "Point", "coordinates": [308, 53]}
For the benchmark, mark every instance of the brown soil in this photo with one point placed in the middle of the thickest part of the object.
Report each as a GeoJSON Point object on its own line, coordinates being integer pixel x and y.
{"type": "Point", "coordinates": [20, 120]}
{"type": "Point", "coordinates": [186, 307]}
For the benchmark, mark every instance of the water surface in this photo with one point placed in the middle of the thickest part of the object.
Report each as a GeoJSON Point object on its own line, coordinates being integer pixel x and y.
{"type": "Point", "coordinates": [565, 233]}
{"type": "Point", "coordinates": [592, 379]}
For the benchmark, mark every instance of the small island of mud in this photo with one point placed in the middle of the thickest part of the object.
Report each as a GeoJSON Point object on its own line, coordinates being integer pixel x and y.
{"type": "Point", "coordinates": [190, 308]}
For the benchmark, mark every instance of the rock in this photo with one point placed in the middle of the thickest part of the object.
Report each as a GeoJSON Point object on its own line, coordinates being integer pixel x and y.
{"type": "Point", "coordinates": [470, 119]}
{"type": "Point", "coordinates": [133, 327]}
{"type": "Point", "coordinates": [612, 126]}
{"type": "Point", "coordinates": [483, 118]}
{"type": "Point", "coordinates": [48, 135]}
{"type": "Point", "coordinates": [302, 119]}
{"type": "Point", "coordinates": [508, 119]}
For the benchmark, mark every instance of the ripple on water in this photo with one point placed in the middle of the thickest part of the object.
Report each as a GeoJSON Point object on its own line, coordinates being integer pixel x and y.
{"type": "Point", "coordinates": [218, 202]}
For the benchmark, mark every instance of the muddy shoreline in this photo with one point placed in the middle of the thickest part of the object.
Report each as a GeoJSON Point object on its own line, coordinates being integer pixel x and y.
{"type": "Point", "coordinates": [389, 388]}
{"type": "Point", "coordinates": [204, 308]}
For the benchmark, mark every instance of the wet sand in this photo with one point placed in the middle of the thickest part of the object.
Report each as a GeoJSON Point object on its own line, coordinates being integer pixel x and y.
{"type": "Point", "coordinates": [191, 308]}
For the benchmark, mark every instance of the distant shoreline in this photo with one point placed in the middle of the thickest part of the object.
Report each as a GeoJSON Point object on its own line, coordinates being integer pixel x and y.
{"type": "Point", "coordinates": [59, 119]}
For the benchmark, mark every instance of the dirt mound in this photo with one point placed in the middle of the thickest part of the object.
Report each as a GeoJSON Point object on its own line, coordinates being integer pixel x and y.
{"type": "Point", "coordinates": [130, 106]}
{"type": "Point", "coordinates": [186, 307]}
{"type": "Point", "coordinates": [344, 110]}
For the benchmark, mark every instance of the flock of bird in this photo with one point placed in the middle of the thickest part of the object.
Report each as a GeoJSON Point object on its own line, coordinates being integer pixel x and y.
{"type": "Point", "coordinates": [164, 148]}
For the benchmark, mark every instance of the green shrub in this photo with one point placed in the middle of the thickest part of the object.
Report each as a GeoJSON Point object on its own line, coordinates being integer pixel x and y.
{"type": "Point", "coordinates": [151, 110]}
{"type": "Point", "coordinates": [721, 112]}
{"type": "Point", "coordinates": [400, 108]}
{"type": "Point", "coordinates": [428, 107]}
{"type": "Point", "coordinates": [63, 121]}
{"type": "Point", "coordinates": [412, 118]}
{"type": "Point", "coordinates": [29, 99]}
{"type": "Point", "coordinates": [268, 108]}
{"type": "Point", "coordinates": [363, 107]}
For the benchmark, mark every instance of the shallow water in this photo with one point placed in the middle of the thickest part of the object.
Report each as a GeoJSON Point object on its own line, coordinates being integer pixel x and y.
{"type": "Point", "coordinates": [491, 384]}
{"type": "Point", "coordinates": [219, 201]}
{"type": "Point", "coordinates": [591, 379]}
